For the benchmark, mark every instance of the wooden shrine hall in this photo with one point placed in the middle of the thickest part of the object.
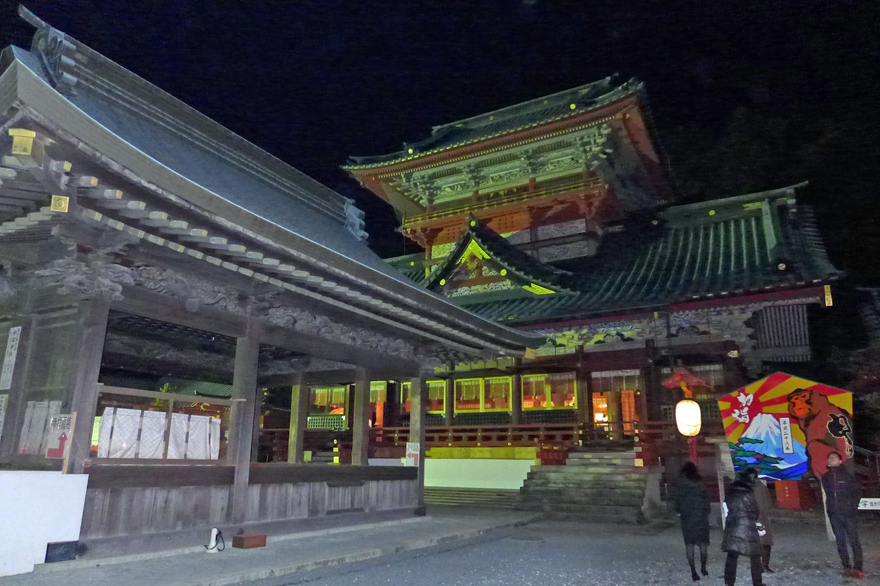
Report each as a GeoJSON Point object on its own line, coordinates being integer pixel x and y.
{"type": "Point", "coordinates": [557, 216]}
{"type": "Point", "coordinates": [141, 242]}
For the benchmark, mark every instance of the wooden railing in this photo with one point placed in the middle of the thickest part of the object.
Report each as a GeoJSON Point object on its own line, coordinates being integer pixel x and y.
{"type": "Point", "coordinates": [654, 437]}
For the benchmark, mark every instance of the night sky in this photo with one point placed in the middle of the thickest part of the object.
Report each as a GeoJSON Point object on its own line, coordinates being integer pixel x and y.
{"type": "Point", "coordinates": [746, 96]}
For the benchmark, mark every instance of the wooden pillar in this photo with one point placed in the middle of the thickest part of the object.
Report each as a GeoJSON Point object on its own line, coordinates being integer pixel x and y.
{"type": "Point", "coordinates": [418, 404]}
{"type": "Point", "coordinates": [449, 403]}
{"type": "Point", "coordinates": [585, 398]}
{"type": "Point", "coordinates": [615, 414]}
{"type": "Point", "coordinates": [299, 419]}
{"type": "Point", "coordinates": [241, 433]}
{"type": "Point", "coordinates": [516, 399]}
{"type": "Point", "coordinates": [92, 329]}
{"type": "Point", "coordinates": [360, 419]}
{"type": "Point", "coordinates": [349, 405]}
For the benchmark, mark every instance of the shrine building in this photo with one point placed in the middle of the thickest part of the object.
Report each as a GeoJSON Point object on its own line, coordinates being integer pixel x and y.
{"type": "Point", "coordinates": [160, 278]}
{"type": "Point", "coordinates": [558, 217]}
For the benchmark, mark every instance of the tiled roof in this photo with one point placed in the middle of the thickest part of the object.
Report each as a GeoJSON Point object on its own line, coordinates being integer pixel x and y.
{"type": "Point", "coordinates": [521, 116]}
{"type": "Point", "coordinates": [717, 249]}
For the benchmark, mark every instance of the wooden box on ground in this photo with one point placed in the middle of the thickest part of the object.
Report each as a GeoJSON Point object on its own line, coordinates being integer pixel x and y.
{"type": "Point", "coordinates": [248, 541]}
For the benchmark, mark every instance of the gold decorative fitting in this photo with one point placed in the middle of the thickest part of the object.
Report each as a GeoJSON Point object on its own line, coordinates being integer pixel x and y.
{"type": "Point", "coordinates": [781, 266]}
{"type": "Point", "coordinates": [60, 203]}
{"type": "Point", "coordinates": [442, 281]}
{"type": "Point", "coordinates": [503, 272]}
{"type": "Point", "coordinates": [22, 145]}
{"type": "Point", "coordinates": [22, 132]}
{"type": "Point", "coordinates": [711, 212]}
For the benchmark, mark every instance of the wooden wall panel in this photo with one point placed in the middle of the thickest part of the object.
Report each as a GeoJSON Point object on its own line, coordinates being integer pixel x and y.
{"type": "Point", "coordinates": [155, 509]}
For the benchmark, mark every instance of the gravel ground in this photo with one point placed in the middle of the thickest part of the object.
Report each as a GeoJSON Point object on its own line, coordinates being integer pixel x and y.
{"type": "Point", "coordinates": [569, 554]}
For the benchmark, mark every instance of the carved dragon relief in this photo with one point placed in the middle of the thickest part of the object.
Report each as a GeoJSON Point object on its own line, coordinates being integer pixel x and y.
{"type": "Point", "coordinates": [88, 278]}
{"type": "Point", "coordinates": [193, 290]}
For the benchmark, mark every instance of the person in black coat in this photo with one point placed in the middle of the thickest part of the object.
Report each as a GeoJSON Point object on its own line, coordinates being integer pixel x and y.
{"type": "Point", "coordinates": [741, 531]}
{"type": "Point", "coordinates": [842, 502]}
{"type": "Point", "coordinates": [692, 505]}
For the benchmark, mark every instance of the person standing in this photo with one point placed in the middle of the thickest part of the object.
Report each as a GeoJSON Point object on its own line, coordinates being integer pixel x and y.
{"type": "Point", "coordinates": [762, 497]}
{"type": "Point", "coordinates": [741, 531]}
{"type": "Point", "coordinates": [842, 502]}
{"type": "Point", "coordinates": [692, 505]}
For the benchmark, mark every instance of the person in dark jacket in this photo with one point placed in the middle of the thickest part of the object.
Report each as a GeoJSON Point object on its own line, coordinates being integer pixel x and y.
{"type": "Point", "coordinates": [842, 502]}
{"type": "Point", "coordinates": [741, 530]}
{"type": "Point", "coordinates": [762, 497]}
{"type": "Point", "coordinates": [692, 505]}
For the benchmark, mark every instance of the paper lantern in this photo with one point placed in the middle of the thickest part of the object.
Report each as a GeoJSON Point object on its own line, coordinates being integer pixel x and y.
{"type": "Point", "coordinates": [688, 417]}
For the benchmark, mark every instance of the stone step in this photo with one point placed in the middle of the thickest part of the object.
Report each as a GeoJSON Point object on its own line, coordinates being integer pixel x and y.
{"type": "Point", "coordinates": [589, 472]}
{"type": "Point", "coordinates": [605, 462]}
{"type": "Point", "coordinates": [633, 503]}
{"type": "Point", "coordinates": [634, 496]}
{"type": "Point", "coordinates": [601, 455]}
{"type": "Point", "coordinates": [600, 482]}
{"type": "Point", "coordinates": [585, 489]}
{"type": "Point", "coordinates": [598, 514]}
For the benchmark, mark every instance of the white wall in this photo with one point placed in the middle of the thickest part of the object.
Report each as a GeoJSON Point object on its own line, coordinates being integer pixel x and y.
{"type": "Point", "coordinates": [37, 508]}
{"type": "Point", "coordinates": [474, 473]}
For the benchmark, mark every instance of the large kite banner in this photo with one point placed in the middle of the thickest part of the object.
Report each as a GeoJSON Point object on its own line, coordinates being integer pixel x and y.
{"type": "Point", "coordinates": [786, 426]}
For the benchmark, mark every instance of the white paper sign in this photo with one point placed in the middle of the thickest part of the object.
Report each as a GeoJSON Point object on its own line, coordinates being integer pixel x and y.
{"type": "Point", "coordinates": [59, 436]}
{"type": "Point", "coordinates": [785, 427]}
{"type": "Point", "coordinates": [869, 504]}
{"type": "Point", "coordinates": [9, 358]}
{"type": "Point", "coordinates": [412, 453]}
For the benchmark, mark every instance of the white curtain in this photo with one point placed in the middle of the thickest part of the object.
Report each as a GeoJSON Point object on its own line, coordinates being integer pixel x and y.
{"type": "Point", "coordinates": [124, 439]}
{"type": "Point", "coordinates": [197, 446]}
{"type": "Point", "coordinates": [152, 443]}
{"type": "Point", "coordinates": [215, 438]}
{"type": "Point", "coordinates": [130, 433]}
{"type": "Point", "coordinates": [177, 439]}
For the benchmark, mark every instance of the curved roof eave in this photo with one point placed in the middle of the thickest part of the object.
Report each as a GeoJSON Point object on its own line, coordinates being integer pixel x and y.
{"type": "Point", "coordinates": [35, 92]}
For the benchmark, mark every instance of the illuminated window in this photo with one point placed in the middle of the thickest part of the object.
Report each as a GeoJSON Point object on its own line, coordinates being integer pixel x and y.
{"type": "Point", "coordinates": [328, 400]}
{"type": "Point", "coordinates": [468, 395]}
{"type": "Point", "coordinates": [378, 391]}
{"type": "Point", "coordinates": [496, 394]}
{"type": "Point", "coordinates": [436, 396]}
{"type": "Point", "coordinates": [616, 385]}
{"type": "Point", "coordinates": [549, 391]}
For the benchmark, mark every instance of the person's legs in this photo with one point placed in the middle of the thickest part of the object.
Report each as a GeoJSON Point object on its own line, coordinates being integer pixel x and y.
{"type": "Point", "coordinates": [852, 535]}
{"type": "Point", "coordinates": [838, 525]}
{"type": "Point", "coordinates": [689, 548]}
{"type": "Point", "coordinates": [765, 558]}
{"type": "Point", "coordinates": [704, 556]}
{"type": "Point", "coordinates": [755, 561]}
{"type": "Point", "coordinates": [730, 568]}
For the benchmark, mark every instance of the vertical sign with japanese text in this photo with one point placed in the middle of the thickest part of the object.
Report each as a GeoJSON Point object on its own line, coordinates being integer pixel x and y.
{"type": "Point", "coordinates": [9, 358]}
{"type": "Point", "coordinates": [785, 433]}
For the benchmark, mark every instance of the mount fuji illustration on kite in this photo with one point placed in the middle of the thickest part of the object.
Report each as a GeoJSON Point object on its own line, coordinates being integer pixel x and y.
{"type": "Point", "coordinates": [760, 446]}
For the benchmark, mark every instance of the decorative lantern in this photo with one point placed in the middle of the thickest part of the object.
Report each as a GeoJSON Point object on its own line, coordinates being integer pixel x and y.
{"type": "Point", "coordinates": [688, 417]}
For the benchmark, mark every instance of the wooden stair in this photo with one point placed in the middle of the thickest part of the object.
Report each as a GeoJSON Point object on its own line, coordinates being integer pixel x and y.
{"type": "Point", "coordinates": [597, 487]}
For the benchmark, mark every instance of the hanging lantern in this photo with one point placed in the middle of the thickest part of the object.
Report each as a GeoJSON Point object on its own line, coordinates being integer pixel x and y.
{"type": "Point", "coordinates": [688, 417]}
